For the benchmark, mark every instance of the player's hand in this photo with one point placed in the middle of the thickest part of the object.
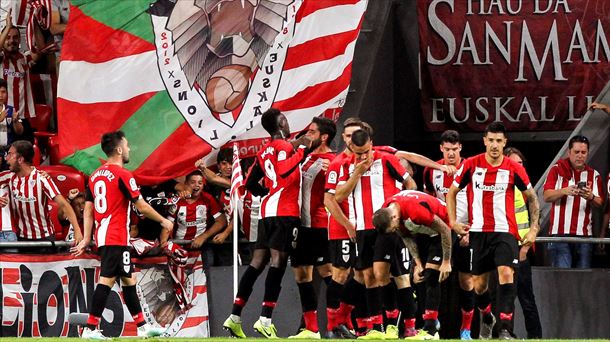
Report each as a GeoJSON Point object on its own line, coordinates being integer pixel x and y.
{"type": "Point", "coordinates": [81, 247]}
{"type": "Point", "coordinates": [220, 238]}
{"type": "Point", "coordinates": [529, 238]}
{"type": "Point", "coordinates": [450, 170]}
{"type": "Point", "coordinates": [364, 164]}
{"type": "Point", "coordinates": [325, 164]}
{"type": "Point", "coordinates": [304, 140]}
{"type": "Point", "coordinates": [72, 193]}
{"type": "Point", "coordinates": [198, 241]}
{"type": "Point", "coordinates": [465, 240]}
{"type": "Point", "coordinates": [351, 232]}
{"type": "Point", "coordinates": [445, 270]}
{"type": "Point", "coordinates": [523, 252]}
{"type": "Point", "coordinates": [78, 236]}
{"type": "Point", "coordinates": [418, 273]}
{"type": "Point", "coordinates": [460, 228]}
{"type": "Point", "coordinates": [4, 201]}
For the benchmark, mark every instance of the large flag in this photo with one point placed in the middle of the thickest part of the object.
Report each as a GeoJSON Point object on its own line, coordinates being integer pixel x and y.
{"type": "Point", "coordinates": [183, 78]}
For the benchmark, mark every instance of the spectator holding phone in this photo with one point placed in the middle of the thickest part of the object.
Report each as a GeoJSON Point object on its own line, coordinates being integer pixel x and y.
{"type": "Point", "coordinates": [573, 187]}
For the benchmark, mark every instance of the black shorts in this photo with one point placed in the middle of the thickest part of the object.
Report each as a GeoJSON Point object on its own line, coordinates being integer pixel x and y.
{"type": "Point", "coordinates": [311, 248]}
{"type": "Point", "coordinates": [391, 248]}
{"type": "Point", "coordinates": [490, 250]}
{"type": "Point", "coordinates": [365, 241]}
{"type": "Point", "coordinates": [279, 233]}
{"type": "Point", "coordinates": [430, 249]}
{"type": "Point", "coordinates": [115, 261]}
{"type": "Point", "coordinates": [462, 256]}
{"type": "Point", "coordinates": [342, 253]}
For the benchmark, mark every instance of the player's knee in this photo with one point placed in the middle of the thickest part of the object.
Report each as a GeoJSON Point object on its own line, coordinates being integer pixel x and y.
{"type": "Point", "coordinates": [402, 281]}
{"type": "Point", "coordinates": [340, 275]}
{"type": "Point", "coordinates": [505, 274]}
{"type": "Point", "coordinates": [466, 281]}
{"type": "Point", "coordinates": [302, 275]}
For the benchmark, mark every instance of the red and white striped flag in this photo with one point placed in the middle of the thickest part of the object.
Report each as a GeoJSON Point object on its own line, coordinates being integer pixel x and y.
{"type": "Point", "coordinates": [237, 177]}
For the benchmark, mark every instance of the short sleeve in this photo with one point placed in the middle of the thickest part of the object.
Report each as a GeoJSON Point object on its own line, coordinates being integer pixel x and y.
{"type": "Point", "coordinates": [522, 180]}
{"type": "Point", "coordinates": [394, 162]}
{"type": "Point", "coordinates": [463, 175]}
{"type": "Point", "coordinates": [213, 206]}
{"type": "Point", "coordinates": [551, 178]}
{"type": "Point", "coordinates": [334, 175]}
{"type": "Point", "coordinates": [597, 184]}
{"type": "Point", "coordinates": [130, 187]}
{"type": "Point", "coordinates": [48, 187]}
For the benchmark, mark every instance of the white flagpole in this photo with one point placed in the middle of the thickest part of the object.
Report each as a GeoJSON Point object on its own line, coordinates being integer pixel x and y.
{"type": "Point", "coordinates": [234, 198]}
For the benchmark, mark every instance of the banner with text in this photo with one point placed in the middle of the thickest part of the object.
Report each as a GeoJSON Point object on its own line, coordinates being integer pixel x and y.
{"type": "Point", "coordinates": [534, 65]}
{"type": "Point", "coordinates": [40, 291]}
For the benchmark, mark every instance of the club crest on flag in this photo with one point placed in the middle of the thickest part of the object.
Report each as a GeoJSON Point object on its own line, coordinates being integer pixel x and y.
{"type": "Point", "coordinates": [221, 59]}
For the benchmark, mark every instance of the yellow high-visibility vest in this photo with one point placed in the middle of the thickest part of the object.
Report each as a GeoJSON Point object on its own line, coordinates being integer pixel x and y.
{"type": "Point", "coordinates": [521, 215]}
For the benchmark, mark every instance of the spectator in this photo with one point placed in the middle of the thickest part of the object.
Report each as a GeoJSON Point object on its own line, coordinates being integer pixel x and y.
{"type": "Point", "coordinates": [59, 20]}
{"type": "Point", "coordinates": [573, 187]}
{"type": "Point", "coordinates": [525, 290]}
{"type": "Point", "coordinates": [6, 224]}
{"type": "Point", "coordinates": [8, 127]}
{"type": "Point", "coordinates": [30, 192]}
{"type": "Point", "coordinates": [218, 185]}
{"type": "Point", "coordinates": [160, 198]}
{"type": "Point", "coordinates": [77, 202]}
{"type": "Point", "coordinates": [16, 69]}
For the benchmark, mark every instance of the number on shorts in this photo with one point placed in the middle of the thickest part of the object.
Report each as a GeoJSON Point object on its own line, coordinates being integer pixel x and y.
{"type": "Point", "coordinates": [405, 254]}
{"type": "Point", "coordinates": [126, 258]}
{"type": "Point", "coordinates": [345, 246]}
{"type": "Point", "coordinates": [270, 172]}
{"type": "Point", "coordinates": [100, 203]}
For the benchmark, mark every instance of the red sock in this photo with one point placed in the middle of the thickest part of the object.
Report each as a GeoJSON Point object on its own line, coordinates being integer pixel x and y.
{"type": "Point", "coordinates": [139, 319]}
{"type": "Point", "coordinates": [93, 321]}
{"type": "Point", "coordinates": [430, 315]}
{"type": "Point", "coordinates": [392, 314]}
{"type": "Point", "coordinates": [466, 319]}
{"type": "Point", "coordinates": [311, 320]}
{"type": "Point", "coordinates": [410, 323]}
{"type": "Point", "coordinates": [331, 318]}
{"type": "Point", "coordinates": [487, 310]}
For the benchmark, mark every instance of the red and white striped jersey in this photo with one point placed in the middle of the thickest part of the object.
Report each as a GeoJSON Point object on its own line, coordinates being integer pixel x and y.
{"type": "Point", "coordinates": [282, 176]}
{"type": "Point", "coordinates": [16, 71]}
{"type": "Point", "coordinates": [417, 211]}
{"type": "Point", "coordinates": [383, 179]}
{"type": "Point", "coordinates": [248, 209]}
{"type": "Point", "coordinates": [313, 212]}
{"type": "Point", "coordinates": [335, 174]}
{"type": "Point", "coordinates": [437, 183]}
{"type": "Point", "coordinates": [30, 196]}
{"type": "Point", "coordinates": [111, 189]}
{"type": "Point", "coordinates": [6, 222]}
{"type": "Point", "coordinates": [191, 218]}
{"type": "Point", "coordinates": [491, 193]}
{"type": "Point", "coordinates": [571, 215]}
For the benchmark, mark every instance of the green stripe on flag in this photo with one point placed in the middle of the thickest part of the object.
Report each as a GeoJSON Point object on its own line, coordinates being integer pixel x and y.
{"type": "Point", "coordinates": [146, 129]}
{"type": "Point", "coordinates": [126, 15]}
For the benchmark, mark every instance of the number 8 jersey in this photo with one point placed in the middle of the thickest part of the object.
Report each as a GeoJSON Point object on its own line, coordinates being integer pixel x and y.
{"type": "Point", "coordinates": [112, 188]}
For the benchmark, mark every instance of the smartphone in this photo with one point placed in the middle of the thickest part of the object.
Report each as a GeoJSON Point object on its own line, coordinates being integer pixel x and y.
{"type": "Point", "coordinates": [581, 185]}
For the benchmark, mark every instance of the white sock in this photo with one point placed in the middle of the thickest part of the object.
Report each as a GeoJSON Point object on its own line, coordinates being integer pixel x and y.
{"type": "Point", "coordinates": [265, 321]}
{"type": "Point", "coordinates": [235, 318]}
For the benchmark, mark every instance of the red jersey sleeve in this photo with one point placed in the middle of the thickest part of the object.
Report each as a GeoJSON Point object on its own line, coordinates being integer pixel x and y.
{"type": "Point", "coordinates": [288, 159]}
{"type": "Point", "coordinates": [213, 206]}
{"type": "Point", "coordinates": [48, 187]}
{"type": "Point", "coordinates": [596, 187]}
{"type": "Point", "coordinates": [394, 163]}
{"type": "Point", "coordinates": [334, 175]}
{"type": "Point", "coordinates": [129, 186]}
{"type": "Point", "coordinates": [522, 180]}
{"type": "Point", "coordinates": [464, 174]}
{"type": "Point", "coordinates": [551, 178]}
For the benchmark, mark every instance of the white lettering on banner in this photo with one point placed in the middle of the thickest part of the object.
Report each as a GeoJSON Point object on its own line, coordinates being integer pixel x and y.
{"type": "Point", "coordinates": [481, 109]}
{"type": "Point", "coordinates": [39, 292]}
{"type": "Point", "coordinates": [530, 56]}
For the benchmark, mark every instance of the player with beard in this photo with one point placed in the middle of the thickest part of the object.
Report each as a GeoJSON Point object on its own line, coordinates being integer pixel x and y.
{"type": "Point", "coordinates": [312, 239]}
{"type": "Point", "coordinates": [110, 191]}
